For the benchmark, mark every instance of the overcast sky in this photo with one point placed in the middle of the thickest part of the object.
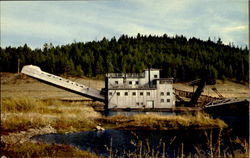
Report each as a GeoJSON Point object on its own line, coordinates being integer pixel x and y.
{"type": "Point", "coordinates": [63, 22]}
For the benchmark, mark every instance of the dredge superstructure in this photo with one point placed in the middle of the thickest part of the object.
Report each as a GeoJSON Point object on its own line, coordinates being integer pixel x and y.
{"type": "Point", "coordinates": [144, 90]}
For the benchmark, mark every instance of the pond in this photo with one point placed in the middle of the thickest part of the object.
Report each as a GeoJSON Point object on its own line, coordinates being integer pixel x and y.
{"type": "Point", "coordinates": [149, 143]}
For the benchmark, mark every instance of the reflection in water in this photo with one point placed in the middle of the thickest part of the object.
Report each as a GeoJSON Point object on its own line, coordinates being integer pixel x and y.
{"type": "Point", "coordinates": [149, 143]}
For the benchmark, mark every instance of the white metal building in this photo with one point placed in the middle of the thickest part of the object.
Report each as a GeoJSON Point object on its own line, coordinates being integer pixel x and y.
{"type": "Point", "coordinates": [143, 90]}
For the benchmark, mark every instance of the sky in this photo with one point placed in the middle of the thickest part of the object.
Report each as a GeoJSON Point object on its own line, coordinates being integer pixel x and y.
{"type": "Point", "coordinates": [63, 22]}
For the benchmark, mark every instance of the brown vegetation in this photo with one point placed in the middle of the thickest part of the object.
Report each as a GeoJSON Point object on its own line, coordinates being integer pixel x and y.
{"type": "Point", "coordinates": [163, 122]}
{"type": "Point", "coordinates": [24, 117]}
{"type": "Point", "coordinates": [20, 114]}
{"type": "Point", "coordinates": [228, 89]}
{"type": "Point", "coordinates": [30, 150]}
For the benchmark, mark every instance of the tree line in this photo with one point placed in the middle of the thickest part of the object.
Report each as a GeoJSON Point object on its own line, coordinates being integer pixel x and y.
{"type": "Point", "coordinates": [178, 57]}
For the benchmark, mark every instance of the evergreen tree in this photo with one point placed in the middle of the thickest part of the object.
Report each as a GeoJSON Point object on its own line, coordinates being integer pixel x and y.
{"type": "Point", "coordinates": [179, 57]}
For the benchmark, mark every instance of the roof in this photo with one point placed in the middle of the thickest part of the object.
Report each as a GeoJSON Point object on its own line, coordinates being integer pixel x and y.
{"type": "Point", "coordinates": [152, 69]}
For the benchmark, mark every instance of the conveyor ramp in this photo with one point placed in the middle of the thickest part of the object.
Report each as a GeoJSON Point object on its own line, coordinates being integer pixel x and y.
{"type": "Point", "coordinates": [36, 72]}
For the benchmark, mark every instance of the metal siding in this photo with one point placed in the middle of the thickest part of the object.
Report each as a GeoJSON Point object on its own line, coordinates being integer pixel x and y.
{"type": "Point", "coordinates": [131, 101]}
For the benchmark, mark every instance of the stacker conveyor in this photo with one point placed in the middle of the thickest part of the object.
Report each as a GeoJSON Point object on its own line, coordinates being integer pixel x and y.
{"type": "Point", "coordinates": [81, 89]}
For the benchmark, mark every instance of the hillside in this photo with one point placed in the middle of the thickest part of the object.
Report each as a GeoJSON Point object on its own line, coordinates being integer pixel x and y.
{"type": "Point", "coordinates": [178, 57]}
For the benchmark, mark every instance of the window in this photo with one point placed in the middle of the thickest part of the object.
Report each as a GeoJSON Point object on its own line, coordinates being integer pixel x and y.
{"type": "Point", "coordinates": [137, 103]}
{"type": "Point", "coordinates": [110, 93]}
{"type": "Point", "coordinates": [168, 93]}
{"type": "Point", "coordinates": [168, 100]}
{"type": "Point", "coordinates": [118, 93]}
{"type": "Point", "coordinates": [126, 93]}
{"type": "Point", "coordinates": [148, 93]}
{"type": "Point", "coordinates": [136, 82]}
{"type": "Point", "coordinates": [130, 82]}
{"type": "Point", "coordinates": [141, 103]}
{"type": "Point", "coordinates": [134, 93]}
{"type": "Point", "coordinates": [155, 76]}
{"type": "Point", "coordinates": [141, 93]}
{"type": "Point", "coordinates": [162, 100]}
{"type": "Point", "coordinates": [116, 82]}
{"type": "Point", "coordinates": [162, 93]}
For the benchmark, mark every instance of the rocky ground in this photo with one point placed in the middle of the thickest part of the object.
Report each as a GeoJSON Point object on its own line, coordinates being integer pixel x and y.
{"type": "Point", "coordinates": [24, 136]}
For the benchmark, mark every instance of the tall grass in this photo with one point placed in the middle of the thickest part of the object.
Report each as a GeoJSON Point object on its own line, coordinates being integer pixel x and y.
{"type": "Point", "coordinates": [22, 113]}
{"type": "Point", "coordinates": [19, 104]}
{"type": "Point", "coordinates": [213, 145]}
{"type": "Point", "coordinates": [163, 122]}
{"type": "Point", "coordinates": [23, 121]}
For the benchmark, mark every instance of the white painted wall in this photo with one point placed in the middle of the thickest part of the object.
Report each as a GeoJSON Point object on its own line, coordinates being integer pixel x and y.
{"type": "Point", "coordinates": [162, 97]}
{"type": "Point", "coordinates": [165, 93]}
{"type": "Point", "coordinates": [142, 81]}
{"type": "Point", "coordinates": [131, 101]}
{"type": "Point", "coordinates": [161, 94]}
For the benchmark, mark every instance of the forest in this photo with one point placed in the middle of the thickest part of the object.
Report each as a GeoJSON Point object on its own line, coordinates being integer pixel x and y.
{"type": "Point", "coordinates": [178, 57]}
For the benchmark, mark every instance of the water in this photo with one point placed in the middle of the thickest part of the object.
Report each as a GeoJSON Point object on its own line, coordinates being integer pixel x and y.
{"type": "Point", "coordinates": [142, 142]}
{"type": "Point", "coordinates": [124, 142]}
{"type": "Point", "coordinates": [238, 124]}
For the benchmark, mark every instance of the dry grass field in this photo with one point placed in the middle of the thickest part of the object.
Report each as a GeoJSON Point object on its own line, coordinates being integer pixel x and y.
{"type": "Point", "coordinates": [227, 89]}
{"type": "Point", "coordinates": [15, 85]}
